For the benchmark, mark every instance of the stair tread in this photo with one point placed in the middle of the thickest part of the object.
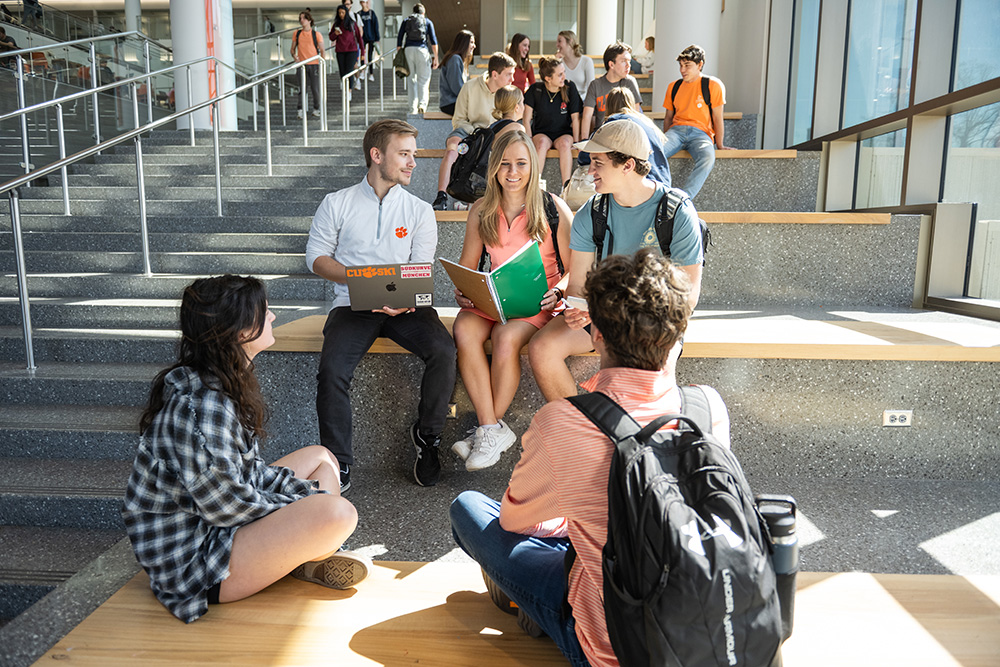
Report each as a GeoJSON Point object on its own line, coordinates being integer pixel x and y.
{"type": "Point", "coordinates": [45, 556]}
{"type": "Point", "coordinates": [64, 477]}
{"type": "Point", "coordinates": [70, 417]}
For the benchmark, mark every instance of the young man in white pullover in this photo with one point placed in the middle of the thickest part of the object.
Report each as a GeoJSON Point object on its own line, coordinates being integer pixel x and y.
{"type": "Point", "coordinates": [378, 222]}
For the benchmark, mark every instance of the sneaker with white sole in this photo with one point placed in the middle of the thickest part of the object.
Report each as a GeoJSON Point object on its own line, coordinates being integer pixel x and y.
{"type": "Point", "coordinates": [316, 113]}
{"type": "Point", "coordinates": [299, 114]}
{"type": "Point", "coordinates": [487, 446]}
{"type": "Point", "coordinates": [342, 570]}
{"type": "Point", "coordinates": [463, 447]}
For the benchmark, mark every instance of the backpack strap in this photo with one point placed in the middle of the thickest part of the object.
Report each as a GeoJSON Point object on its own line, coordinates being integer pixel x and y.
{"type": "Point", "coordinates": [706, 94]}
{"type": "Point", "coordinates": [552, 216]}
{"type": "Point", "coordinates": [599, 219]}
{"type": "Point", "coordinates": [673, 93]}
{"type": "Point", "coordinates": [618, 424]}
{"type": "Point", "coordinates": [315, 42]}
{"type": "Point", "coordinates": [666, 211]}
{"type": "Point", "coordinates": [694, 404]}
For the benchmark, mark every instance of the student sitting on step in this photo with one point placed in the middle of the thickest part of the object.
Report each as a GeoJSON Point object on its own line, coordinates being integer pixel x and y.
{"type": "Point", "coordinates": [209, 521]}
{"type": "Point", "coordinates": [558, 492]}
{"type": "Point", "coordinates": [513, 212]}
{"type": "Point", "coordinates": [508, 109]}
{"type": "Point", "coordinates": [620, 105]}
{"type": "Point", "coordinates": [473, 109]}
{"type": "Point", "coordinates": [619, 164]}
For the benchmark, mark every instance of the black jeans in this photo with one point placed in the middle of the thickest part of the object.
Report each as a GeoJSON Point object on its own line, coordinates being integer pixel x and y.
{"type": "Point", "coordinates": [347, 337]}
{"type": "Point", "coordinates": [312, 82]}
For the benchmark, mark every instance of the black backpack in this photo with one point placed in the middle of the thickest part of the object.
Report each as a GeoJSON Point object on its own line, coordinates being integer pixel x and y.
{"type": "Point", "coordinates": [416, 28]}
{"type": "Point", "coordinates": [688, 580]}
{"type": "Point", "coordinates": [468, 173]}
{"type": "Point", "coordinates": [706, 94]}
{"type": "Point", "coordinates": [552, 217]}
{"type": "Point", "coordinates": [665, 212]}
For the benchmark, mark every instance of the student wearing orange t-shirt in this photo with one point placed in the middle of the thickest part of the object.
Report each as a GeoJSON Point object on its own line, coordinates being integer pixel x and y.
{"type": "Point", "coordinates": [688, 124]}
{"type": "Point", "coordinates": [306, 43]}
{"type": "Point", "coordinates": [558, 492]}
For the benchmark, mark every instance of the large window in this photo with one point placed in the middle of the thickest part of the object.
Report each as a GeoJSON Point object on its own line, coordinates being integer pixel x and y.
{"type": "Point", "coordinates": [541, 21]}
{"type": "Point", "coordinates": [978, 43]}
{"type": "Point", "coordinates": [880, 170]}
{"type": "Point", "coordinates": [879, 58]}
{"type": "Point", "coordinates": [971, 174]}
{"type": "Point", "coordinates": [803, 72]}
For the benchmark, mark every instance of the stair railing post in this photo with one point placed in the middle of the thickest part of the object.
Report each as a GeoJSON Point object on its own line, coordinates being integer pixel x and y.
{"type": "Point", "coordinates": [140, 176]}
{"type": "Point", "coordinates": [62, 156]}
{"type": "Point", "coordinates": [345, 105]}
{"type": "Point", "coordinates": [381, 96]}
{"type": "Point", "coordinates": [25, 148]}
{"type": "Point", "coordinates": [304, 99]}
{"type": "Point", "coordinates": [190, 101]}
{"type": "Point", "coordinates": [218, 162]}
{"type": "Point", "coordinates": [267, 126]}
{"type": "Point", "coordinates": [93, 84]}
{"type": "Point", "coordinates": [281, 83]}
{"type": "Point", "coordinates": [149, 83]}
{"type": "Point", "coordinates": [364, 77]}
{"type": "Point", "coordinates": [255, 87]}
{"type": "Point", "coordinates": [22, 278]}
{"type": "Point", "coordinates": [322, 86]}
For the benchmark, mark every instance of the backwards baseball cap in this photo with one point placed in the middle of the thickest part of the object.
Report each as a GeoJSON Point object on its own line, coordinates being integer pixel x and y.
{"type": "Point", "coordinates": [618, 136]}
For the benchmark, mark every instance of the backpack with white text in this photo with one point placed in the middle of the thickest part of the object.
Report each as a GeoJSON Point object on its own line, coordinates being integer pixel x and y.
{"type": "Point", "coordinates": [688, 580]}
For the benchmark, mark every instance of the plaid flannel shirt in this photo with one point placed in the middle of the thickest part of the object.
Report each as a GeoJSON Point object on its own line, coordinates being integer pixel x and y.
{"type": "Point", "coordinates": [197, 477]}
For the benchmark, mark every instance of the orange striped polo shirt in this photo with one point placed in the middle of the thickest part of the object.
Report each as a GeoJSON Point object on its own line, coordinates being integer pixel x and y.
{"type": "Point", "coordinates": [559, 487]}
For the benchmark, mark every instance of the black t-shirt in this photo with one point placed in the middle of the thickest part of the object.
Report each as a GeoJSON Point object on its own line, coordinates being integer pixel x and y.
{"type": "Point", "coordinates": [550, 115]}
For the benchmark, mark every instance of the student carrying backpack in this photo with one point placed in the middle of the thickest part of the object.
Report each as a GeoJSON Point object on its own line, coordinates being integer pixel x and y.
{"type": "Point", "coordinates": [416, 28]}
{"type": "Point", "coordinates": [688, 580]}
{"type": "Point", "coordinates": [665, 212]}
{"type": "Point", "coordinates": [468, 174]}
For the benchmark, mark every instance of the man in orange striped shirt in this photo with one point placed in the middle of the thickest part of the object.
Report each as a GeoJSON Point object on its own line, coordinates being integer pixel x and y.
{"type": "Point", "coordinates": [639, 307]}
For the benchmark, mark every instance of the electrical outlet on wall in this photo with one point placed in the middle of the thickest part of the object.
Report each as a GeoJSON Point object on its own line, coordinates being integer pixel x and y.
{"type": "Point", "coordinates": [897, 418]}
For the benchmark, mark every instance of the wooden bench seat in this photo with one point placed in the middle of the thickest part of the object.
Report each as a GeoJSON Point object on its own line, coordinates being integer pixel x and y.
{"type": "Point", "coordinates": [727, 115]}
{"type": "Point", "coordinates": [727, 335]}
{"type": "Point", "coordinates": [440, 614]}
{"type": "Point", "coordinates": [752, 217]}
{"type": "Point", "coordinates": [733, 154]}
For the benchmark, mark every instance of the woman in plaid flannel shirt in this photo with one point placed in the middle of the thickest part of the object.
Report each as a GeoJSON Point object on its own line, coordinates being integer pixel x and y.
{"type": "Point", "coordinates": [209, 521]}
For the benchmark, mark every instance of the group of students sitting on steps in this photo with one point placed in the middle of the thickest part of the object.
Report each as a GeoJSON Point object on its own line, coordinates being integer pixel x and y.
{"type": "Point", "coordinates": [210, 522]}
{"type": "Point", "coordinates": [559, 113]}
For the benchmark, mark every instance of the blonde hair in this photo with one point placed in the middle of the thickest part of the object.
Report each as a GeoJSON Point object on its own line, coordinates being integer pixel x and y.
{"type": "Point", "coordinates": [489, 210]}
{"type": "Point", "coordinates": [619, 100]}
{"type": "Point", "coordinates": [573, 42]}
{"type": "Point", "coordinates": [505, 100]}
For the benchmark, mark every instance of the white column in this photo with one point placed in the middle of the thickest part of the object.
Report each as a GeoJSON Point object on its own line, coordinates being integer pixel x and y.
{"type": "Point", "coordinates": [602, 27]}
{"type": "Point", "coordinates": [680, 24]}
{"type": "Point", "coordinates": [133, 15]}
{"type": "Point", "coordinates": [201, 29]}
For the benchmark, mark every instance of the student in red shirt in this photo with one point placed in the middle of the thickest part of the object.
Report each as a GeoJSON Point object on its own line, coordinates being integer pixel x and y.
{"type": "Point", "coordinates": [524, 73]}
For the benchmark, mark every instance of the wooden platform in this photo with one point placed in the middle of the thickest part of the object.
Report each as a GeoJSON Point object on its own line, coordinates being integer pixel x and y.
{"type": "Point", "coordinates": [725, 335]}
{"type": "Point", "coordinates": [439, 614]}
{"type": "Point", "coordinates": [752, 217]}
{"type": "Point", "coordinates": [732, 154]}
{"type": "Point", "coordinates": [726, 115]}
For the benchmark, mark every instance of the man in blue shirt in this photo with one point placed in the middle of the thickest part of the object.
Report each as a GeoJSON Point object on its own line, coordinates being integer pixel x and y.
{"type": "Point", "coordinates": [369, 31]}
{"type": "Point", "coordinates": [619, 164]}
{"type": "Point", "coordinates": [416, 36]}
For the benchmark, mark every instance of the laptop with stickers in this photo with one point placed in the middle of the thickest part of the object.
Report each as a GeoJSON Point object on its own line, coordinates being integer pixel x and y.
{"type": "Point", "coordinates": [394, 285]}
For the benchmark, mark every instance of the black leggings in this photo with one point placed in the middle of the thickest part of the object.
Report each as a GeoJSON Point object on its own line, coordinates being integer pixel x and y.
{"type": "Point", "coordinates": [347, 61]}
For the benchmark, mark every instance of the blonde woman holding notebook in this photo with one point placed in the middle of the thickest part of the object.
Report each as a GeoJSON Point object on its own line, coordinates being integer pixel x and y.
{"type": "Point", "coordinates": [513, 211]}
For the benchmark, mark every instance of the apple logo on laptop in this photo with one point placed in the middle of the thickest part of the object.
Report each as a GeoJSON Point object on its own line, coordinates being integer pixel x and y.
{"type": "Point", "coordinates": [391, 287]}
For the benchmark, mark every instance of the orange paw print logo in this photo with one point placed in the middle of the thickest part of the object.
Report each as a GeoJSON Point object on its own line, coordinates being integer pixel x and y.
{"type": "Point", "coordinates": [401, 232]}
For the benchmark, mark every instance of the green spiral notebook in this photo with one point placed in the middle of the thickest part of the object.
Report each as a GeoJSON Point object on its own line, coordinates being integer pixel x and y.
{"type": "Point", "coordinates": [513, 289]}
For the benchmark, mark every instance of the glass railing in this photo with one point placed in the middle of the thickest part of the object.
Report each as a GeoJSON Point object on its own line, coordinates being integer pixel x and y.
{"type": "Point", "coordinates": [51, 22]}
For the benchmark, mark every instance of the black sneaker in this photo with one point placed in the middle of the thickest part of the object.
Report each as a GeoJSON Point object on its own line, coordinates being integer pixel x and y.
{"type": "Point", "coordinates": [508, 606]}
{"type": "Point", "coordinates": [345, 478]}
{"type": "Point", "coordinates": [441, 202]}
{"type": "Point", "coordinates": [427, 467]}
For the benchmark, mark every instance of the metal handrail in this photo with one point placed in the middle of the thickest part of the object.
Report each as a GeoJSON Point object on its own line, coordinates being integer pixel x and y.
{"type": "Point", "coordinates": [345, 87]}
{"type": "Point", "coordinates": [87, 40]}
{"type": "Point", "coordinates": [279, 32]}
{"type": "Point", "coordinates": [11, 187]}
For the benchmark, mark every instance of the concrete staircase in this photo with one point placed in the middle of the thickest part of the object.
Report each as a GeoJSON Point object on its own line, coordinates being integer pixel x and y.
{"type": "Point", "coordinates": [801, 425]}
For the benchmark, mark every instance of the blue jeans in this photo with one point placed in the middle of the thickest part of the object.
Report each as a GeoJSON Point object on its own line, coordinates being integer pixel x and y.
{"type": "Point", "coordinates": [701, 148]}
{"type": "Point", "coordinates": [528, 569]}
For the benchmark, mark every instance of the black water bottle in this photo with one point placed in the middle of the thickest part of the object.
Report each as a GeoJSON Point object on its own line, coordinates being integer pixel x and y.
{"type": "Point", "coordinates": [779, 513]}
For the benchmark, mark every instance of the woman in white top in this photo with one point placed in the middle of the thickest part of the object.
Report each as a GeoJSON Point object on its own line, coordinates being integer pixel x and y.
{"type": "Point", "coordinates": [579, 68]}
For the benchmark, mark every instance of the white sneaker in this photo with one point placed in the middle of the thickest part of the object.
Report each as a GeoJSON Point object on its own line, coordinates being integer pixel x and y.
{"type": "Point", "coordinates": [315, 113]}
{"type": "Point", "coordinates": [357, 83]}
{"type": "Point", "coordinates": [463, 447]}
{"type": "Point", "coordinates": [371, 76]}
{"type": "Point", "coordinates": [487, 446]}
{"type": "Point", "coordinates": [299, 114]}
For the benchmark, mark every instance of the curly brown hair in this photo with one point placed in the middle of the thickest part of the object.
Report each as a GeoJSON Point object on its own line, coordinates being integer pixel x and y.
{"type": "Point", "coordinates": [641, 304]}
{"type": "Point", "coordinates": [218, 315]}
